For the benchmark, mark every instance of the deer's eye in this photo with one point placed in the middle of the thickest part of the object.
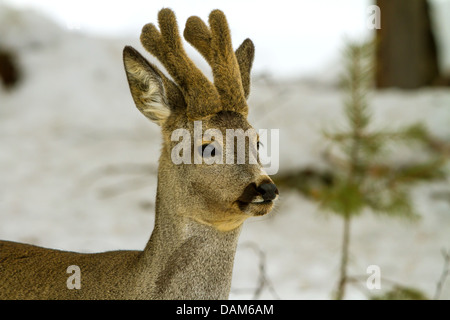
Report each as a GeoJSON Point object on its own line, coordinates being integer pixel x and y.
{"type": "Point", "coordinates": [207, 150]}
{"type": "Point", "coordinates": [258, 145]}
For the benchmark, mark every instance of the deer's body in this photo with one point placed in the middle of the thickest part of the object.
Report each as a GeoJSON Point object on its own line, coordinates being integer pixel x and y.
{"type": "Point", "coordinates": [193, 269]}
{"type": "Point", "coordinates": [200, 208]}
{"type": "Point", "coordinates": [40, 273]}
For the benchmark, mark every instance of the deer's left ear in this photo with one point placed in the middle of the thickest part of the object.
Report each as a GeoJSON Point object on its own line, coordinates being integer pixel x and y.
{"type": "Point", "coordinates": [146, 86]}
{"type": "Point", "coordinates": [244, 55]}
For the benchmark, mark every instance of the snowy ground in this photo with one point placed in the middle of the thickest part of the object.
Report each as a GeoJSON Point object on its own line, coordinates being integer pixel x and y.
{"type": "Point", "coordinates": [78, 163]}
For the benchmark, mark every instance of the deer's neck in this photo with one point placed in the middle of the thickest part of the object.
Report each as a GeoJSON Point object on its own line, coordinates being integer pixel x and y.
{"type": "Point", "coordinates": [185, 259]}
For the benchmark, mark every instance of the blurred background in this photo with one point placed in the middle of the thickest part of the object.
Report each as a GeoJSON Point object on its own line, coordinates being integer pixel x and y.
{"type": "Point", "coordinates": [364, 119]}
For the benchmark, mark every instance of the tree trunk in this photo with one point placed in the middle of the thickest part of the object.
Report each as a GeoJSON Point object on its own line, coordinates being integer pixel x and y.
{"type": "Point", "coordinates": [406, 48]}
{"type": "Point", "coordinates": [9, 73]}
{"type": "Point", "coordinates": [340, 292]}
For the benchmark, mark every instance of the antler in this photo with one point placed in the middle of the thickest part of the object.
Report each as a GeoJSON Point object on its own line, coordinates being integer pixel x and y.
{"type": "Point", "coordinates": [199, 93]}
{"type": "Point", "coordinates": [214, 44]}
{"type": "Point", "coordinates": [244, 55]}
{"type": "Point", "coordinates": [231, 70]}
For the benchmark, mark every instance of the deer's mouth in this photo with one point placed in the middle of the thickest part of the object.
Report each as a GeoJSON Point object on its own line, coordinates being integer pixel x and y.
{"type": "Point", "coordinates": [255, 208]}
{"type": "Point", "coordinates": [251, 202]}
{"type": "Point", "coordinates": [258, 200]}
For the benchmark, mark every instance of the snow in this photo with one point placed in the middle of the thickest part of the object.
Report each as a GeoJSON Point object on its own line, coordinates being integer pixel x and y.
{"type": "Point", "coordinates": [78, 164]}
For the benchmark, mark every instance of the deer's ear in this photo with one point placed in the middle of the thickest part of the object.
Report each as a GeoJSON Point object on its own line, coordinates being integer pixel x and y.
{"type": "Point", "coordinates": [146, 86]}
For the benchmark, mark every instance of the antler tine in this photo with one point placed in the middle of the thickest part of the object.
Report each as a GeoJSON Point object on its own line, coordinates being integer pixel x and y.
{"type": "Point", "coordinates": [215, 45]}
{"type": "Point", "coordinates": [201, 96]}
{"type": "Point", "coordinates": [244, 55]}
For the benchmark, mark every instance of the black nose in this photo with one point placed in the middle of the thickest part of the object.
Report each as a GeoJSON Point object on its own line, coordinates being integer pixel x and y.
{"type": "Point", "coordinates": [268, 191]}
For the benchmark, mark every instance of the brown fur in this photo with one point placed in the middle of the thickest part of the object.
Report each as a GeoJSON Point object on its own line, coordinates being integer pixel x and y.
{"type": "Point", "coordinates": [166, 45]}
{"type": "Point", "coordinates": [244, 55]}
{"type": "Point", "coordinates": [200, 208]}
{"type": "Point", "coordinates": [215, 46]}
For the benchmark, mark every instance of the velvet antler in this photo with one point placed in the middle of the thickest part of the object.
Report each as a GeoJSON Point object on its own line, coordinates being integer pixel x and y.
{"type": "Point", "coordinates": [199, 93]}
{"type": "Point", "coordinates": [231, 71]}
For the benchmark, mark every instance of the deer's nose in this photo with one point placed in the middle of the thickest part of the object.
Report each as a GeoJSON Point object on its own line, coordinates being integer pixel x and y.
{"type": "Point", "coordinates": [268, 191]}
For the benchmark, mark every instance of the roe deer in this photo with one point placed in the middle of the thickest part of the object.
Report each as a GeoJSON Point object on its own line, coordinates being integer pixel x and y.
{"type": "Point", "coordinates": [200, 208]}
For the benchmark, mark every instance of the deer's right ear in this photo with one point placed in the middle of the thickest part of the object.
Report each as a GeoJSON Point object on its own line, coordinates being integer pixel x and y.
{"type": "Point", "coordinates": [146, 86]}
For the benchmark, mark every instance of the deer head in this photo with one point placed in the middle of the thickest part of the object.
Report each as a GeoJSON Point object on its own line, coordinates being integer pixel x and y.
{"type": "Point", "coordinates": [221, 195]}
